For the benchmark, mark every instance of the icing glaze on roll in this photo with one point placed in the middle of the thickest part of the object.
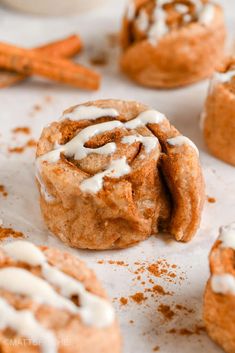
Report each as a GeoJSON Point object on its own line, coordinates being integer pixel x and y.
{"type": "Point", "coordinates": [182, 140]}
{"type": "Point", "coordinates": [142, 21]}
{"type": "Point", "coordinates": [117, 168]}
{"type": "Point", "coordinates": [227, 236]}
{"type": "Point", "coordinates": [223, 284]}
{"type": "Point", "coordinates": [130, 13]}
{"type": "Point", "coordinates": [23, 282]}
{"type": "Point", "coordinates": [148, 142]}
{"type": "Point", "coordinates": [144, 118]}
{"type": "Point", "coordinates": [25, 323]}
{"type": "Point", "coordinates": [75, 148]}
{"type": "Point", "coordinates": [93, 310]}
{"type": "Point", "coordinates": [158, 27]}
{"type": "Point", "coordinates": [221, 77]}
{"type": "Point", "coordinates": [83, 112]}
{"type": "Point", "coordinates": [207, 14]}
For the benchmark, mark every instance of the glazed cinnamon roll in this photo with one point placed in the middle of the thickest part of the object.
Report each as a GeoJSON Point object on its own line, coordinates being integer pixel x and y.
{"type": "Point", "coordinates": [51, 303]}
{"type": "Point", "coordinates": [171, 43]}
{"type": "Point", "coordinates": [219, 300]}
{"type": "Point", "coordinates": [111, 173]}
{"type": "Point", "coordinates": [218, 118]}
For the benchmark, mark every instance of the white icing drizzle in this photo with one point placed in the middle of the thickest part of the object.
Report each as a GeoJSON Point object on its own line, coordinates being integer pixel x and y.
{"type": "Point", "coordinates": [207, 14]}
{"type": "Point", "coordinates": [25, 324]}
{"type": "Point", "coordinates": [187, 18]}
{"type": "Point", "coordinates": [46, 195]}
{"type": "Point", "coordinates": [75, 148]}
{"type": "Point", "coordinates": [159, 28]}
{"type": "Point", "coordinates": [227, 236]}
{"type": "Point", "coordinates": [116, 169]}
{"type": "Point", "coordinates": [24, 251]}
{"type": "Point", "coordinates": [142, 21]}
{"type": "Point", "coordinates": [84, 112]}
{"type": "Point", "coordinates": [149, 142]}
{"type": "Point", "coordinates": [202, 120]}
{"type": "Point", "coordinates": [130, 13]}
{"type": "Point", "coordinates": [182, 140]}
{"type": "Point", "coordinates": [93, 310]}
{"type": "Point", "coordinates": [181, 8]}
{"type": "Point", "coordinates": [144, 118]}
{"type": "Point", "coordinates": [223, 284]}
{"type": "Point", "coordinates": [20, 281]}
{"type": "Point", "coordinates": [220, 77]}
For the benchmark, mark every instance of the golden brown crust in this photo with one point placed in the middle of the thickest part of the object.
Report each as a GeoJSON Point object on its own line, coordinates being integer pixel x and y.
{"type": "Point", "coordinates": [72, 334]}
{"type": "Point", "coordinates": [219, 121]}
{"type": "Point", "coordinates": [185, 55]}
{"type": "Point", "coordinates": [163, 191]}
{"type": "Point", "coordinates": [219, 308]}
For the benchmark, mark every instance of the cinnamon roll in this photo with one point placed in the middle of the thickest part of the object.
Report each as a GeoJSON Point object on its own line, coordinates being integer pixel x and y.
{"type": "Point", "coordinates": [111, 173]}
{"type": "Point", "coordinates": [218, 118]}
{"type": "Point", "coordinates": [219, 299]}
{"type": "Point", "coordinates": [51, 303]}
{"type": "Point", "coordinates": [171, 43]}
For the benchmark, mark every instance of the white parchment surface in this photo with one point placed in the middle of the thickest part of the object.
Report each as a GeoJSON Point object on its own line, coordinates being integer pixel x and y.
{"type": "Point", "coordinates": [35, 103]}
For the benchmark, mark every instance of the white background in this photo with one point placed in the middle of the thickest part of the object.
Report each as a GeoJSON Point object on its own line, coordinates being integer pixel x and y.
{"type": "Point", "coordinates": [183, 106]}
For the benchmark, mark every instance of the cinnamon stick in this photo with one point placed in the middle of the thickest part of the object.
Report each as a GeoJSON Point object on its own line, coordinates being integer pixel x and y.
{"type": "Point", "coordinates": [64, 71]}
{"type": "Point", "coordinates": [67, 47]}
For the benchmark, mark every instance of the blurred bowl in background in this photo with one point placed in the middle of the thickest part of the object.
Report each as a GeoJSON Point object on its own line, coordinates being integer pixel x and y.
{"type": "Point", "coordinates": [53, 7]}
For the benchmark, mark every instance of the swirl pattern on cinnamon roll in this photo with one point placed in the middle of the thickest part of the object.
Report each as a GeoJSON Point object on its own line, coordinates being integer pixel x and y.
{"type": "Point", "coordinates": [219, 299]}
{"type": "Point", "coordinates": [171, 43]}
{"type": "Point", "coordinates": [51, 303]}
{"type": "Point", "coordinates": [111, 173]}
{"type": "Point", "coordinates": [218, 118]}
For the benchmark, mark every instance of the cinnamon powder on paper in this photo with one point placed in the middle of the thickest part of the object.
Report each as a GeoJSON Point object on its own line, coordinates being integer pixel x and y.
{"type": "Point", "coordinates": [138, 298]}
{"type": "Point", "coordinates": [166, 311]}
{"type": "Point", "coordinates": [10, 233]}
{"type": "Point", "coordinates": [3, 191]}
{"type": "Point", "coordinates": [29, 144]}
{"type": "Point", "coordinates": [211, 199]}
{"type": "Point", "coordinates": [22, 130]}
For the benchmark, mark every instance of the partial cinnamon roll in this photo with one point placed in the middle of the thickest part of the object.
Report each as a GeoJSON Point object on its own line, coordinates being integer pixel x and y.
{"type": "Point", "coordinates": [219, 299]}
{"type": "Point", "coordinates": [111, 173]}
{"type": "Point", "coordinates": [218, 118]}
{"type": "Point", "coordinates": [171, 43]}
{"type": "Point", "coordinates": [51, 303]}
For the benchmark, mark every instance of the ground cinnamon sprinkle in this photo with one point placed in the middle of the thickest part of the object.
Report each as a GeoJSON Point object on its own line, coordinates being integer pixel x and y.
{"type": "Point", "coordinates": [10, 233]}
{"type": "Point", "coordinates": [138, 297]}
{"type": "Point", "coordinates": [211, 199]}
{"type": "Point", "coordinates": [112, 262]}
{"type": "Point", "coordinates": [48, 99]}
{"type": "Point", "coordinates": [99, 59]}
{"type": "Point", "coordinates": [123, 301]}
{"type": "Point", "coordinates": [156, 349]}
{"type": "Point", "coordinates": [162, 269]}
{"type": "Point", "coordinates": [159, 290]}
{"type": "Point", "coordinates": [166, 311]}
{"type": "Point", "coordinates": [3, 190]}
{"type": "Point", "coordinates": [119, 263]}
{"type": "Point", "coordinates": [22, 129]}
{"type": "Point", "coordinates": [29, 144]}
{"type": "Point", "coordinates": [187, 332]}
{"type": "Point", "coordinates": [184, 308]}
{"type": "Point", "coordinates": [37, 108]}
